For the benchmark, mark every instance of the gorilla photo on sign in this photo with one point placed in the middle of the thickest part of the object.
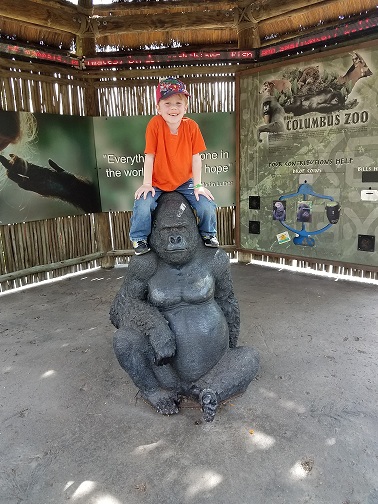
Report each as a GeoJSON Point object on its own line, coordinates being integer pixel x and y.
{"type": "Point", "coordinates": [178, 319]}
{"type": "Point", "coordinates": [51, 182]}
{"type": "Point", "coordinates": [304, 211]}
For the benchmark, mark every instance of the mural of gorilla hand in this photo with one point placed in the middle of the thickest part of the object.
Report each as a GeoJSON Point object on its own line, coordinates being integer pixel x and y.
{"type": "Point", "coordinates": [52, 182]}
{"type": "Point", "coordinates": [178, 320]}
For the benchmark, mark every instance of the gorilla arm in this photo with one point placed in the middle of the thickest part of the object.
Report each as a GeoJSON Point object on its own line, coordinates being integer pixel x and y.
{"type": "Point", "coordinates": [131, 308]}
{"type": "Point", "coordinates": [224, 295]}
{"type": "Point", "coordinates": [53, 182]}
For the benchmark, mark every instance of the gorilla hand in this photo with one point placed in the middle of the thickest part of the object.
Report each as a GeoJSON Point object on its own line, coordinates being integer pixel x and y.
{"type": "Point", "coordinates": [52, 182]}
{"type": "Point", "coordinates": [31, 177]}
{"type": "Point", "coordinates": [164, 347]}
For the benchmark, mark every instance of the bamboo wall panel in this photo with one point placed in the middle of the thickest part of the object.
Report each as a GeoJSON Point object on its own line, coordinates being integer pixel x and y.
{"type": "Point", "coordinates": [38, 243]}
{"type": "Point", "coordinates": [226, 226]}
{"type": "Point", "coordinates": [44, 89]}
{"type": "Point", "coordinates": [28, 245]}
{"type": "Point", "coordinates": [120, 224]}
{"type": "Point", "coordinates": [38, 93]}
{"type": "Point", "coordinates": [130, 98]}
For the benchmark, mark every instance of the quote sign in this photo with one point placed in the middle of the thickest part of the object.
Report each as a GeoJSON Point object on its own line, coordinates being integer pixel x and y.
{"type": "Point", "coordinates": [120, 143]}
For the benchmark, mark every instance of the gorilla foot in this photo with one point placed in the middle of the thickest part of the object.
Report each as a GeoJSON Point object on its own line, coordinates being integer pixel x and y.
{"type": "Point", "coordinates": [209, 404]}
{"type": "Point", "coordinates": [162, 401]}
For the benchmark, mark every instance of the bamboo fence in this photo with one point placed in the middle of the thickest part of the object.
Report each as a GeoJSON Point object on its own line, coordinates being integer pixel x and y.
{"type": "Point", "coordinates": [36, 251]}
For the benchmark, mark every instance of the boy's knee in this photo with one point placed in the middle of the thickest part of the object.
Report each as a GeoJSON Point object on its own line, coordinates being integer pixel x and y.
{"type": "Point", "coordinates": [207, 205]}
{"type": "Point", "coordinates": [144, 204]}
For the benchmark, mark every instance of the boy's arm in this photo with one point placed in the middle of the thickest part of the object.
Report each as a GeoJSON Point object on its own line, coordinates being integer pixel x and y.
{"type": "Point", "coordinates": [198, 187]}
{"type": "Point", "coordinates": [147, 178]}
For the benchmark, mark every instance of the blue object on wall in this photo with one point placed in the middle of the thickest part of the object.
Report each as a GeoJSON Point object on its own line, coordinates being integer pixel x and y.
{"type": "Point", "coordinates": [304, 237]}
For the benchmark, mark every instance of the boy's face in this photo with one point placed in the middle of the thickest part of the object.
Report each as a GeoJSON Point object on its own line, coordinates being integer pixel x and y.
{"type": "Point", "coordinates": [173, 109]}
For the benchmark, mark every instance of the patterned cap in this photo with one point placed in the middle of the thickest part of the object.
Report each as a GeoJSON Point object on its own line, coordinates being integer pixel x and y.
{"type": "Point", "coordinates": [168, 87]}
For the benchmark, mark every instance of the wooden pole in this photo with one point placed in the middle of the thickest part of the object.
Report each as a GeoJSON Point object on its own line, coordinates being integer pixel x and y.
{"type": "Point", "coordinates": [86, 48]}
{"type": "Point", "coordinates": [50, 267]}
{"type": "Point", "coordinates": [86, 41]}
{"type": "Point", "coordinates": [103, 238]}
{"type": "Point", "coordinates": [248, 29]}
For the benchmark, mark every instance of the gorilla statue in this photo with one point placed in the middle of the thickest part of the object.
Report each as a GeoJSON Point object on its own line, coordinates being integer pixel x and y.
{"type": "Point", "coordinates": [178, 320]}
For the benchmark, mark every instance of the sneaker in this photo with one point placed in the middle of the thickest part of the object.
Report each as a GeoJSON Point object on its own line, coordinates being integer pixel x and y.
{"type": "Point", "coordinates": [210, 241]}
{"type": "Point", "coordinates": [141, 247]}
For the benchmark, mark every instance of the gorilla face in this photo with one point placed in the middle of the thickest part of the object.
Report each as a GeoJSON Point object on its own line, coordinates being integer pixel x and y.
{"type": "Point", "coordinates": [279, 212]}
{"type": "Point", "coordinates": [174, 235]}
{"type": "Point", "coordinates": [304, 213]}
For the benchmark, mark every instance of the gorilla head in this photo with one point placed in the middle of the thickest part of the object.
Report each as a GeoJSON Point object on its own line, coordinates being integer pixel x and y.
{"type": "Point", "coordinates": [279, 212]}
{"type": "Point", "coordinates": [174, 235]}
{"type": "Point", "coordinates": [304, 212]}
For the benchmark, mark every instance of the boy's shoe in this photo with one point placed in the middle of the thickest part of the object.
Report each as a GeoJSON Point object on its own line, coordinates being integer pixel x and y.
{"type": "Point", "coordinates": [141, 247]}
{"type": "Point", "coordinates": [210, 241]}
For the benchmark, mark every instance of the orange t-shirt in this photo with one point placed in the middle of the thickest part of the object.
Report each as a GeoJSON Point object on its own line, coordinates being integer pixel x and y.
{"type": "Point", "coordinates": [173, 153]}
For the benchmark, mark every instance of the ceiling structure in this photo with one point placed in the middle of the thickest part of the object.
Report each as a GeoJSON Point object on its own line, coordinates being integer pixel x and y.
{"type": "Point", "coordinates": [153, 26]}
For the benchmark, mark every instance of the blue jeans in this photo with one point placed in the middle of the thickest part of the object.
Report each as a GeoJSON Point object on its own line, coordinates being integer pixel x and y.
{"type": "Point", "coordinates": [140, 227]}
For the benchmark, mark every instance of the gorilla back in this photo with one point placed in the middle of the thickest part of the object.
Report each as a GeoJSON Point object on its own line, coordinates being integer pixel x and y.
{"type": "Point", "coordinates": [178, 318]}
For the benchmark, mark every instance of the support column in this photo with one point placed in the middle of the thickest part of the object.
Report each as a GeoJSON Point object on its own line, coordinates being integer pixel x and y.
{"type": "Point", "coordinates": [103, 238]}
{"type": "Point", "coordinates": [86, 47]}
{"type": "Point", "coordinates": [85, 41]}
{"type": "Point", "coordinates": [248, 29]}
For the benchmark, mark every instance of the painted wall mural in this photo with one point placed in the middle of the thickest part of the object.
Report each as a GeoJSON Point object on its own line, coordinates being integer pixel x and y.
{"type": "Point", "coordinates": [309, 157]}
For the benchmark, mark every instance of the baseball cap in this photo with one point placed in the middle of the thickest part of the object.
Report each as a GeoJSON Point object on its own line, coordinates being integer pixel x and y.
{"type": "Point", "coordinates": [168, 87]}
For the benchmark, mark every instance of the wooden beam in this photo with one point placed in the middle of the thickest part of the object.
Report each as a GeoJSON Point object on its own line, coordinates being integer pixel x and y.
{"type": "Point", "coordinates": [177, 21]}
{"type": "Point", "coordinates": [168, 8]}
{"type": "Point", "coordinates": [34, 270]}
{"type": "Point", "coordinates": [39, 71]}
{"type": "Point", "coordinates": [331, 4]}
{"type": "Point", "coordinates": [56, 4]}
{"type": "Point", "coordinates": [72, 20]}
{"type": "Point", "coordinates": [44, 78]}
{"type": "Point", "coordinates": [269, 9]}
{"type": "Point", "coordinates": [265, 9]}
{"type": "Point", "coordinates": [52, 17]}
{"type": "Point", "coordinates": [148, 72]}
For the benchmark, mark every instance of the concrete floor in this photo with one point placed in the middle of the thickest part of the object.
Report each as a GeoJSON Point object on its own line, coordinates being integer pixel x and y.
{"type": "Point", "coordinates": [306, 431]}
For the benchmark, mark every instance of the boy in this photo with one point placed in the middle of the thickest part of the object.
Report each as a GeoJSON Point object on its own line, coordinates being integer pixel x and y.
{"type": "Point", "coordinates": [172, 163]}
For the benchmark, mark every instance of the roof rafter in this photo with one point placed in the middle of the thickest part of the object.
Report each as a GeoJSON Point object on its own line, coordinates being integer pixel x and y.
{"type": "Point", "coordinates": [198, 23]}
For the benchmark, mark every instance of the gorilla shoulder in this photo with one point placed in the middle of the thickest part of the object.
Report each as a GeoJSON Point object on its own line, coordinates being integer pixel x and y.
{"type": "Point", "coordinates": [216, 257]}
{"type": "Point", "coordinates": [142, 267]}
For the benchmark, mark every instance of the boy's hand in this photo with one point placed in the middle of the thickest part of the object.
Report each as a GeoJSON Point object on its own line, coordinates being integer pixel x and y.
{"type": "Point", "coordinates": [144, 190]}
{"type": "Point", "coordinates": [205, 192]}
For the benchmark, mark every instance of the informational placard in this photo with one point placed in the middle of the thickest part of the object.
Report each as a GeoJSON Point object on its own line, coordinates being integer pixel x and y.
{"type": "Point", "coordinates": [308, 137]}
